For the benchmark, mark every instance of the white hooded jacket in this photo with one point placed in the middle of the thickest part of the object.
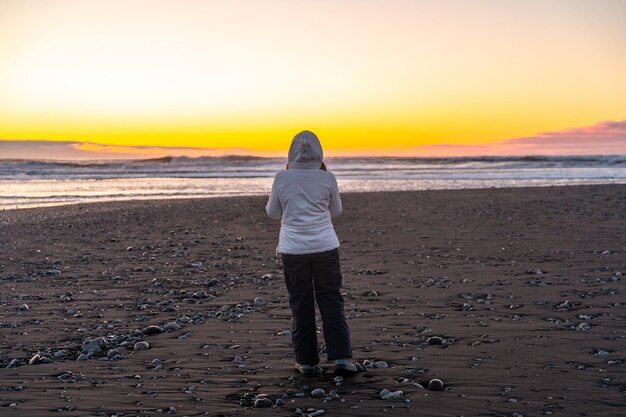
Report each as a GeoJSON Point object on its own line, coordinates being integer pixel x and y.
{"type": "Point", "coordinates": [305, 197]}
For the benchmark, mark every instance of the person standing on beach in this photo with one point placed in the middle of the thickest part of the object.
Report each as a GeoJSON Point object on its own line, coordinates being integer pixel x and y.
{"type": "Point", "coordinates": [305, 196]}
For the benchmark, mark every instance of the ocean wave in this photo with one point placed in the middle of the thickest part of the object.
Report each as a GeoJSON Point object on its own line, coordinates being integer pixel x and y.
{"type": "Point", "coordinates": [252, 166]}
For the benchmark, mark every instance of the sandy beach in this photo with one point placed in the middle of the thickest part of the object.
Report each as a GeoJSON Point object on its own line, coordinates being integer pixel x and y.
{"type": "Point", "coordinates": [514, 298]}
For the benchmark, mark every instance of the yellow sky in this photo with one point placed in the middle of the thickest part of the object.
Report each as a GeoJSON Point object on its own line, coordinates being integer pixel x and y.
{"type": "Point", "coordinates": [360, 73]}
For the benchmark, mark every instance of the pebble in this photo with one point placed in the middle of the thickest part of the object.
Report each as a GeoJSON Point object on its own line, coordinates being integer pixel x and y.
{"type": "Point", "coordinates": [95, 346]}
{"type": "Point", "coordinates": [238, 360]}
{"type": "Point", "coordinates": [82, 357]}
{"type": "Point", "coordinates": [258, 301]}
{"type": "Point", "coordinates": [23, 307]}
{"type": "Point", "coordinates": [601, 352]}
{"type": "Point", "coordinates": [13, 363]}
{"type": "Point", "coordinates": [381, 364]}
{"type": "Point", "coordinates": [35, 359]}
{"type": "Point", "coordinates": [583, 327]}
{"type": "Point", "coordinates": [112, 353]}
{"type": "Point", "coordinates": [318, 393]}
{"type": "Point", "coordinates": [150, 330]}
{"type": "Point", "coordinates": [435, 340]}
{"type": "Point", "coordinates": [435, 385]}
{"type": "Point", "coordinates": [263, 403]}
{"type": "Point", "coordinates": [53, 272]}
{"type": "Point", "coordinates": [171, 326]}
{"type": "Point", "coordinates": [143, 345]}
{"type": "Point", "coordinates": [390, 395]}
{"type": "Point", "coordinates": [338, 380]}
{"type": "Point", "coordinates": [59, 354]}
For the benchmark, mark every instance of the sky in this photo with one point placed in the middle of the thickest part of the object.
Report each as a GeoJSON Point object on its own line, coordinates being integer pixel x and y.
{"type": "Point", "coordinates": [370, 77]}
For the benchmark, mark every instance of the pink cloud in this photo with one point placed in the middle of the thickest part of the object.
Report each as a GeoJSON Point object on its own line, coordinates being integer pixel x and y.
{"type": "Point", "coordinates": [606, 138]}
{"type": "Point", "coordinates": [603, 137]}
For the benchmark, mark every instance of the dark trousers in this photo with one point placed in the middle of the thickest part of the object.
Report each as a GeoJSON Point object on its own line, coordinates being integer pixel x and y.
{"type": "Point", "coordinates": [311, 277]}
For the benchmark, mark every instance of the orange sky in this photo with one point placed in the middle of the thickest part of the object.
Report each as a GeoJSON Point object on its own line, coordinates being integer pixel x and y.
{"type": "Point", "coordinates": [380, 77]}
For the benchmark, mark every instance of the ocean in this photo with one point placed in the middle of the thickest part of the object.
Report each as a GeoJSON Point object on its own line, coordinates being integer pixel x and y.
{"type": "Point", "coordinates": [26, 183]}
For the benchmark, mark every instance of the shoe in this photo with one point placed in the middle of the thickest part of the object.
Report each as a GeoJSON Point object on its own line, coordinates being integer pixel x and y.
{"type": "Point", "coordinates": [345, 366]}
{"type": "Point", "coordinates": [308, 369]}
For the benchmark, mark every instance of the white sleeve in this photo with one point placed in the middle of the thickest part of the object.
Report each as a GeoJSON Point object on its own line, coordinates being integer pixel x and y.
{"type": "Point", "coordinates": [335, 200]}
{"type": "Point", "coordinates": [273, 207]}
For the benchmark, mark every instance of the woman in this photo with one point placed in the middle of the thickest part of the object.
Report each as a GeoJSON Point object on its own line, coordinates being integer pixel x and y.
{"type": "Point", "coordinates": [305, 196]}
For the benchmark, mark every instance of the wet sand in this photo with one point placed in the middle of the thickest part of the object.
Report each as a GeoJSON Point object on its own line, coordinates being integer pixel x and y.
{"type": "Point", "coordinates": [524, 287]}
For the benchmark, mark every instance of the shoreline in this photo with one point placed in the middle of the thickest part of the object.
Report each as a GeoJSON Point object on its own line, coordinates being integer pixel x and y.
{"type": "Point", "coordinates": [187, 198]}
{"type": "Point", "coordinates": [507, 277]}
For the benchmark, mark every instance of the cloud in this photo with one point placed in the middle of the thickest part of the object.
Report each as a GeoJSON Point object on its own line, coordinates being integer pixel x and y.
{"type": "Point", "coordinates": [605, 138]}
{"type": "Point", "coordinates": [43, 149]}
{"type": "Point", "coordinates": [603, 133]}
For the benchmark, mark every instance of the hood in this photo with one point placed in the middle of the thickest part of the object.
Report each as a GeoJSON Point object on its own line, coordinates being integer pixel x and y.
{"type": "Point", "coordinates": [305, 151]}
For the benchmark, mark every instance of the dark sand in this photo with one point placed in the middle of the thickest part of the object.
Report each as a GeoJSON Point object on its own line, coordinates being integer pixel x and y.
{"type": "Point", "coordinates": [486, 270]}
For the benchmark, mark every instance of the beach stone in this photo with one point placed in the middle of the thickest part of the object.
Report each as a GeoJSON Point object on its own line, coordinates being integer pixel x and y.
{"type": "Point", "coordinates": [258, 301]}
{"type": "Point", "coordinates": [565, 305]}
{"type": "Point", "coordinates": [13, 364]}
{"type": "Point", "coordinates": [151, 330]}
{"type": "Point", "coordinates": [583, 327]}
{"type": "Point", "coordinates": [317, 413]}
{"type": "Point", "coordinates": [171, 326]}
{"type": "Point", "coordinates": [263, 403]}
{"type": "Point", "coordinates": [238, 360]}
{"type": "Point", "coordinates": [112, 353]}
{"type": "Point", "coordinates": [54, 272]}
{"type": "Point", "coordinates": [386, 394]}
{"type": "Point", "coordinates": [23, 307]}
{"type": "Point", "coordinates": [143, 345]}
{"type": "Point", "coordinates": [600, 352]}
{"type": "Point", "coordinates": [338, 380]}
{"type": "Point", "coordinates": [95, 346]}
{"type": "Point", "coordinates": [59, 354]}
{"type": "Point", "coordinates": [435, 340]}
{"type": "Point", "coordinates": [82, 357]}
{"type": "Point", "coordinates": [318, 393]}
{"type": "Point", "coordinates": [381, 364]}
{"type": "Point", "coordinates": [35, 359]}
{"type": "Point", "coordinates": [435, 385]}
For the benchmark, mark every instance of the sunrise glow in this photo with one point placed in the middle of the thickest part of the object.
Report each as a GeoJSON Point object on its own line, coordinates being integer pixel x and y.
{"type": "Point", "coordinates": [369, 77]}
